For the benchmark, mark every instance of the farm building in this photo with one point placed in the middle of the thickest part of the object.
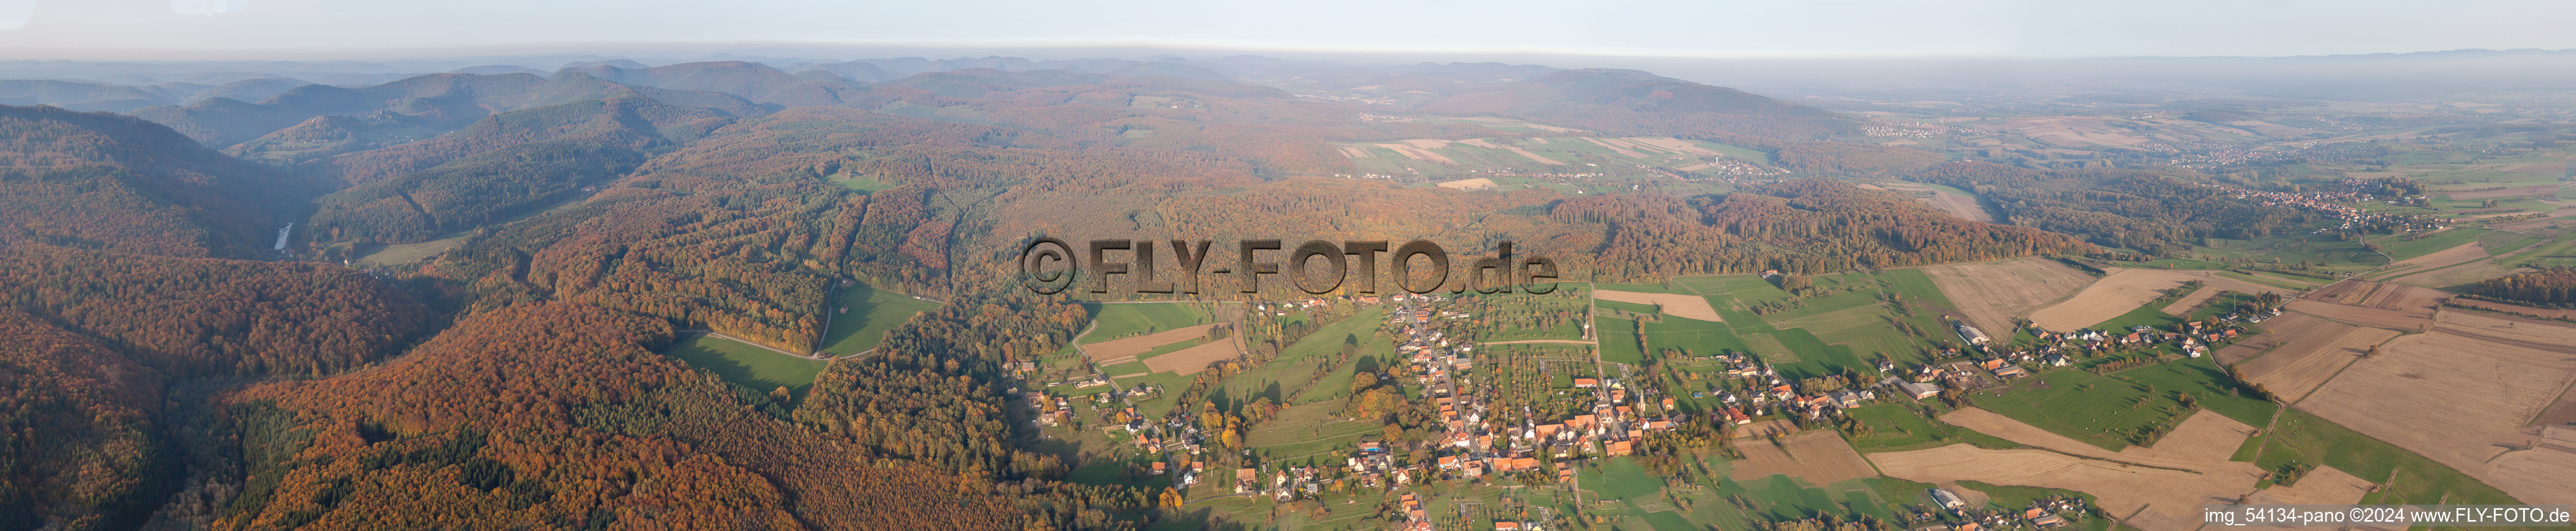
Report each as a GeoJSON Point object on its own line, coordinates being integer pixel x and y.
{"type": "Point", "coordinates": [1946, 499]}
{"type": "Point", "coordinates": [1919, 390]}
{"type": "Point", "coordinates": [1971, 335]}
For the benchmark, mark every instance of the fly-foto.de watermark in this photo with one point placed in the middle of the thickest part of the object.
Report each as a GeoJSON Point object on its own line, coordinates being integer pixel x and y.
{"type": "Point", "coordinates": [2392, 516]}
{"type": "Point", "coordinates": [1049, 266]}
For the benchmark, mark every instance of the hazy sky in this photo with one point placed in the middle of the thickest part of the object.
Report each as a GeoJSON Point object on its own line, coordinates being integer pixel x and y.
{"type": "Point", "coordinates": [360, 29]}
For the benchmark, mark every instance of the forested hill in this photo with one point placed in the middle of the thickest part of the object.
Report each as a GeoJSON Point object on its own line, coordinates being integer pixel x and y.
{"type": "Point", "coordinates": [104, 181]}
{"type": "Point", "coordinates": [413, 108]}
{"type": "Point", "coordinates": [2118, 208]}
{"type": "Point", "coordinates": [505, 165]}
{"type": "Point", "coordinates": [1636, 102]}
{"type": "Point", "coordinates": [1803, 226]}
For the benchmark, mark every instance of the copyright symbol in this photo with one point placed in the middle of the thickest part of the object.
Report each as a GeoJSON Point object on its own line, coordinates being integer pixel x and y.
{"type": "Point", "coordinates": [1033, 261]}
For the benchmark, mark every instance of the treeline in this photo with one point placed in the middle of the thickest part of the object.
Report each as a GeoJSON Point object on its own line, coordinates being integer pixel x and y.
{"type": "Point", "coordinates": [2119, 208]}
{"type": "Point", "coordinates": [1804, 226]}
{"type": "Point", "coordinates": [2554, 287]}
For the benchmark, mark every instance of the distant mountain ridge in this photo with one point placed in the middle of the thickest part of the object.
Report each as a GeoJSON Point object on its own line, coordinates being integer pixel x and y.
{"type": "Point", "coordinates": [106, 181]}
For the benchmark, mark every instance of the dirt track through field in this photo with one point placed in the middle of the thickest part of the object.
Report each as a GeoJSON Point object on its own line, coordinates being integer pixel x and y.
{"type": "Point", "coordinates": [1990, 294]}
{"type": "Point", "coordinates": [1673, 304]}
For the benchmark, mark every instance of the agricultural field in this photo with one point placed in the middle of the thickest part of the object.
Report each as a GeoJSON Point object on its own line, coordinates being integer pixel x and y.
{"type": "Point", "coordinates": [2299, 352]}
{"type": "Point", "coordinates": [752, 367]}
{"type": "Point", "coordinates": [1896, 428]}
{"type": "Point", "coordinates": [1952, 200]}
{"type": "Point", "coordinates": [1818, 457]}
{"type": "Point", "coordinates": [1191, 360]}
{"type": "Point", "coordinates": [1990, 294]}
{"type": "Point", "coordinates": [2118, 293]}
{"type": "Point", "coordinates": [2099, 410]}
{"type": "Point", "coordinates": [1674, 304]}
{"type": "Point", "coordinates": [862, 314]}
{"type": "Point", "coordinates": [2459, 400]}
{"type": "Point", "coordinates": [1132, 348]}
{"type": "Point", "coordinates": [2301, 438]}
{"type": "Point", "coordinates": [1119, 320]}
{"type": "Point", "coordinates": [2395, 307]}
{"type": "Point", "coordinates": [2160, 498]}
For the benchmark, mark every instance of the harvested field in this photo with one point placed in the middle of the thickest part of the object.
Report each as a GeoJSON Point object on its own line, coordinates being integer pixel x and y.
{"type": "Point", "coordinates": [1469, 184]}
{"type": "Point", "coordinates": [1766, 428]}
{"type": "Point", "coordinates": [1427, 143]}
{"type": "Point", "coordinates": [1673, 304]}
{"type": "Point", "coordinates": [2469, 262]}
{"type": "Point", "coordinates": [1990, 294]}
{"type": "Point", "coordinates": [2443, 258]}
{"type": "Point", "coordinates": [1675, 145]}
{"type": "Point", "coordinates": [1191, 360]}
{"type": "Point", "coordinates": [1965, 207]}
{"type": "Point", "coordinates": [1106, 351]}
{"type": "Point", "coordinates": [2461, 401]}
{"type": "Point", "coordinates": [1962, 206]}
{"type": "Point", "coordinates": [1415, 153]}
{"type": "Point", "coordinates": [2461, 274]}
{"type": "Point", "coordinates": [2399, 307]}
{"type": "Point", "coordinates": [1820, 458]}
{"type": "Point", "coordinates": [2204, 441]}
{"type": "Point", "coordinates": [2324, 485]}
{"type": "Point", "coordinates": [2516, 308]}
{"type": "Point", "coordinates": [2550, 335]}
{"type": "Point", "coordinates": [2304, 352]}
{"type": "Point", "coordinates": [1508, 121]}
{"type": "Point", "coordinates": [2389, 319]}
{"type": "Point", "coordinates": [1614, 148]}
{"type": "Point", "coordinates": [2197, 297]}
{"type": "Point", "coordinates": [1534, 157]}
{"type": "Point", "coordinates": [2114, 295]}
{"type": "Point", "coordinates": [2161, 499]}
{"type": "Point", "coordinates": [1353, 152]}
{"type": "Point", "coordinates": [2544, 473]}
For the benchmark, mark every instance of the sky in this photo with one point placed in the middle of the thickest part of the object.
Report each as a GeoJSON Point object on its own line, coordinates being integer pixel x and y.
{"type": "Point", "coordinates": [381, 29]}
